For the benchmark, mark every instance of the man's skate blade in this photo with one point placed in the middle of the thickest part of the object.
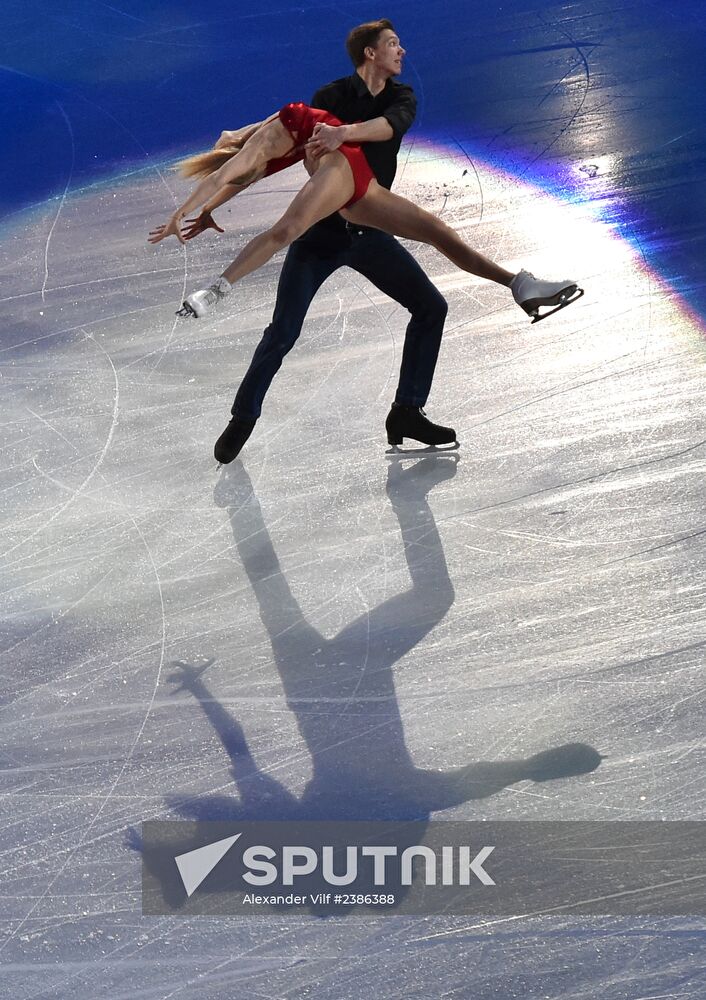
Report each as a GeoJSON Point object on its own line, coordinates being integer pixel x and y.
{"type": "Point", "coordinates": [186, 310]}
{"type": "Point", "coordinates": [571, 297]}
{"type": "Point", "coordinates": [428, 449]}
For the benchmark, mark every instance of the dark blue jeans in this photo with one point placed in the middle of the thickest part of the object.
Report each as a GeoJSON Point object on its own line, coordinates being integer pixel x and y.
{"type": "Point", "coordinates": [385, 263]}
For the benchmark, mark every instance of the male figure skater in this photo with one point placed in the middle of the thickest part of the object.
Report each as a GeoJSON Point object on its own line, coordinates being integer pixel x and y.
{"type": "Point", "coordinates": [383, 110]}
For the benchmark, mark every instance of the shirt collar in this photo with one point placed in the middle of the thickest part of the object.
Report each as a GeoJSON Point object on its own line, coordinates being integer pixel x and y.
{"type": "Point", "coordinates": [361, 90]}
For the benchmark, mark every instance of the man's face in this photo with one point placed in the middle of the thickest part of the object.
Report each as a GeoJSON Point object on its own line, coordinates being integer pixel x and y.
{"type": "Point", "coordinates": [388, 53]}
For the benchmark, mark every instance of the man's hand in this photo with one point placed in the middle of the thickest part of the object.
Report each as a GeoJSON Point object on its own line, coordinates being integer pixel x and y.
{"type": "Point", "coordinates": [192, 227]}
{"type": "Point", "coordinates": [325, 139]}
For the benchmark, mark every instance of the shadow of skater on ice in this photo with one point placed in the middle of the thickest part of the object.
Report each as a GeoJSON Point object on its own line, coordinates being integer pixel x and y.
{"type": "Point", "coordinates": [341, 690]}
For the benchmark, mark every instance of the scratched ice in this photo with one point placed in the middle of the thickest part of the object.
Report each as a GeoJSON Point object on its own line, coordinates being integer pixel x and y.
{"type": "Point", "coordinates": [324, 630]}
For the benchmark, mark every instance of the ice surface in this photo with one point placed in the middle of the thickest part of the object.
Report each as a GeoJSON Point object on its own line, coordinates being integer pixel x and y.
{"type": "Point", "coordinates": [327, 630]}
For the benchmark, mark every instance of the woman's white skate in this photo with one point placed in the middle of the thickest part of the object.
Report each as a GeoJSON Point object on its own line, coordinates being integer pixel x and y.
{"type": "Point", "coordinates": [199, 303]}
{"type": "Point", "coordinates": [531, 294]}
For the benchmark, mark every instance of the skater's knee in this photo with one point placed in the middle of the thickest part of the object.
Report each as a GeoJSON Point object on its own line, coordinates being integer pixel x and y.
{"type": "Point", "coordinates": [280, 338]}
{"type": "Point", "coordinates": [433, 307]}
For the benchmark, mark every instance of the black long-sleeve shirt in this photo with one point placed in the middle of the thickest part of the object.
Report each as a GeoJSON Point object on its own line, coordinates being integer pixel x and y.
{"type": "Point", "coordinates": [350, 100]}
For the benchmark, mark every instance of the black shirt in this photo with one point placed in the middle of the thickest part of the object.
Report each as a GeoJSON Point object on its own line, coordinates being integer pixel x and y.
{"type": "Point", "coordinates": [350, 100]}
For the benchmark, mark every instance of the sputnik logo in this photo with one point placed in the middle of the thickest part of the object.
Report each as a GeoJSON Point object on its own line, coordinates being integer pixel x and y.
{"type": "Point", "coordinates": [195, 866]}
{"type": "Point", "coordinates": [301, 861]}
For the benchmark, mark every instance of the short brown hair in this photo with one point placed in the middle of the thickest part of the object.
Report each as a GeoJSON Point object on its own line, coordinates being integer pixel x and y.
{"type": "Point", "coordinates": [364, 35]}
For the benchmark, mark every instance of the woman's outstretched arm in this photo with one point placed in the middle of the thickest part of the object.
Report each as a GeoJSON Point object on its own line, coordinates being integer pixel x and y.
{"type": "Point", "coordinates": [246, 165]}
{"type": "Point", "coordinates": [192, 227]}
{"type": "Point", "coordinates": [210, 189]}
{"type": "Point", "coordinates": [203, 221]}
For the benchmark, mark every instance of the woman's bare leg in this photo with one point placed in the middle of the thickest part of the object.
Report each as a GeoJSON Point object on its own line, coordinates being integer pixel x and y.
{"type": "Point", "coordinates": [271, 140]}
{"type": "Point", "coordinates": [381, 209]}
{"type": "Point", "coordinates": [329, 188]}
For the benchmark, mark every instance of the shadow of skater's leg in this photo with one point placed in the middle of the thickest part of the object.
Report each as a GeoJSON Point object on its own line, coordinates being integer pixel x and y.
{"type": "Point", "coordinates": [407, 490]}
{"type": "Point", "coordinates": [443, 789]}
{"type": "Point", "coordinates": [365, 746]}
{"type": "Point", "coordinates": [279, 609]}
{"type": "Point", "coordinates": [401, 622]}
{"type": "Point", "coordinates": [304, 659]}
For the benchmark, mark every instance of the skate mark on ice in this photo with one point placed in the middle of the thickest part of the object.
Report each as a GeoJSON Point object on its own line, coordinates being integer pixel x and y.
{"type": "Point", "coordinates": [650, 291]}
{"type": "Point", "coordinates": [659, 548]}
{"type": "Point", "coordinates": [81, 327]}
{"type": "Point", "coordinates": [63, 613]}
{"type": "Point", "coordinates": [578, 110]}
{"type": "Point", "coordinates": [159, 173]}
{"type": "Point", "coordinates": [55, 619]}
{"type": "Point", "coordinates": [122, 13]}
{"type": "Point", "coordinates": [577, 62]}
{"type": "Point", "coordinates": [49, 552]}
{"type": "Point", "coordinates": [55, 431]}
{"type": "Point", "coordinates": [347, 702]}
{"type": "Point", "coordinates": [13, 444]}
{"type": "Point", "coordinates": [79, 489]}
{"type": "Point", "coordinates": [480, 186]}
{"type": "Point", "coordinates": [92, 676]}
{"type": "Point", "coordinates": [83, 837]}
{"type": "Point", "coordinates": [483, 925]}
{"type": "Point", "coordinates": [557, 487]}
{"type": "Point", "coordinates": [572, 386]}
{"type": "Point", "coordinates": [63, 197]}
{"type": "Point", "coordinates": [92, 281]}
{"type": "Point", "coordinates": [175, 323]}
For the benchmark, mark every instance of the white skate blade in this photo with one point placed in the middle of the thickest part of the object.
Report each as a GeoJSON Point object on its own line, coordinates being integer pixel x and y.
{"type": "Point", "coordinates": [186, 310]}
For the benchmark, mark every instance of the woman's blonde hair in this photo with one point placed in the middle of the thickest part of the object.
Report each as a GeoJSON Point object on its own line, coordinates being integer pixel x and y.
{"type": "Point", "coordinates": [203, 164]}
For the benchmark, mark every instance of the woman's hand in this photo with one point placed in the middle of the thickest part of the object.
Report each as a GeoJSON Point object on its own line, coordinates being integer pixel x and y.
{"type": "Point", "coordinates": [171, 229]}
{"type": "Point", "coordinates": [192, 227]}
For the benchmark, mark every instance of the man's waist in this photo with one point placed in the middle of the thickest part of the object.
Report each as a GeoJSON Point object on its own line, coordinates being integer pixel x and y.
{"type": "Point", "coordinates": [333, 233]}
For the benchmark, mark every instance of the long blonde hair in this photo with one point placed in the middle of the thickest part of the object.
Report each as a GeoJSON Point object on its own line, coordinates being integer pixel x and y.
{"type": "Point", "coordinates": [203, 164]}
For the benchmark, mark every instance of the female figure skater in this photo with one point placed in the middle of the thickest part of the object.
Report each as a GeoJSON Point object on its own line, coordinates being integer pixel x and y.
{"type": "Point", "coordinates": [341, 181]}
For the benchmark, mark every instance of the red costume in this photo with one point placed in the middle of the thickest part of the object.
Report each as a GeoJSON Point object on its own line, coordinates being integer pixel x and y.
{"type": "Point", "coordinates": [299, 120]}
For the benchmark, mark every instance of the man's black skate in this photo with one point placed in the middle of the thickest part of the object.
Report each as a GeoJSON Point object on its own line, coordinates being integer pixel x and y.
{"type": "Point", "coordinates": [231, 441]}
{"type": "Point", "coordinates": [411, 422]}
